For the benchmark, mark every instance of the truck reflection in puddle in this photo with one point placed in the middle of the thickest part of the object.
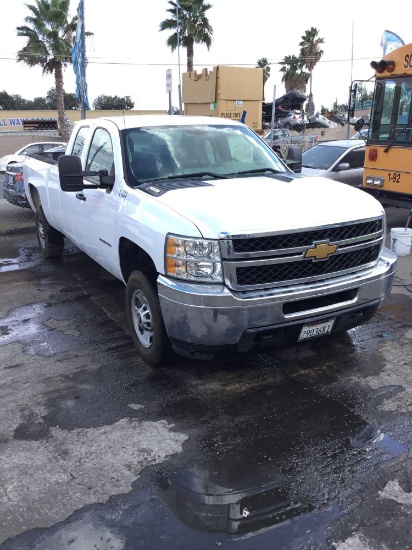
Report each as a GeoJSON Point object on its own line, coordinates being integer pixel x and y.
{"type": "Point", "coordinates": [315, 450]}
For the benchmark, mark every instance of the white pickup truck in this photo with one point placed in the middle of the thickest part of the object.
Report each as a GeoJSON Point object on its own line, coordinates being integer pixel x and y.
{"type": "Point", "coordinates": [221, 247]}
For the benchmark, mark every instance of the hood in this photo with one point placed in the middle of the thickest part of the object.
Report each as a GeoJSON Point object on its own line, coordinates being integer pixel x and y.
{"type": "Point", "coordinates": [265, 204]}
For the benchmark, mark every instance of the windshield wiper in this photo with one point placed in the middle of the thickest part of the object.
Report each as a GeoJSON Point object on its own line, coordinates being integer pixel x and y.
{"type": "Point", "coordinates": [260, 171]}
{"type": "Point", "coordinates": [400, 132]}
{"type": "Point", "coordinates": [198, 175]}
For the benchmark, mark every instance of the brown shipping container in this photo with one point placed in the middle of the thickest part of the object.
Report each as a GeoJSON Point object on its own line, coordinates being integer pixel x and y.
{"type": "Point", "coordinates": [225, 92]}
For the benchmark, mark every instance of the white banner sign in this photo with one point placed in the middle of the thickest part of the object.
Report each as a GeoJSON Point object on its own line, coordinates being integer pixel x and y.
{"type": "Point", "coordinates": [168, 80]}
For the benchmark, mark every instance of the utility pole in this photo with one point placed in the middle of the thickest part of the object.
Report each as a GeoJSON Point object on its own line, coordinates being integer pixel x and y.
{"type": "Point", "coordinates": [178, 56]}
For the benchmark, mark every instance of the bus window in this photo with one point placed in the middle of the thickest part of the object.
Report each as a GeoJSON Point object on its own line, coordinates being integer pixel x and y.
{"type": "Point", "coordinates": [392, 110]}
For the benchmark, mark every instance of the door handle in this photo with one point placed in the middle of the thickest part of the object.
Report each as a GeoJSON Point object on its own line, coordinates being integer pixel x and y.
{"type": "Point", "coordinates": [80, 196]}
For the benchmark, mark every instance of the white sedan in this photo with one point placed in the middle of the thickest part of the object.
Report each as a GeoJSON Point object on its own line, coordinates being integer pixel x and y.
{"type": "Point", "coordinates": [30, 149]}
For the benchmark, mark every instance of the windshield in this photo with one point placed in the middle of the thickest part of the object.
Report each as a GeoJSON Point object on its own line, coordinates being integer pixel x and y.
{"type": "Point", "coordinates": [392, 113]}
{"type": "Point", "coordinates": [164, 152]}
{"type": "Point", "coordinates": [321, 157]}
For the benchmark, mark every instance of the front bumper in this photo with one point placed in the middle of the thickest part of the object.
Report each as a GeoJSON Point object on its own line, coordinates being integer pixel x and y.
{"type": "Point", "coordinates": [202, 319]}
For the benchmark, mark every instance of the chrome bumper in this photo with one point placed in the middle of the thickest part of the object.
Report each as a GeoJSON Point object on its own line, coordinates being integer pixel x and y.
{"type": "Point", "coordinates": [213, 316]}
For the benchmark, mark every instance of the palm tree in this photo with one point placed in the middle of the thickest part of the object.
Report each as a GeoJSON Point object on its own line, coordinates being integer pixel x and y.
{"type": "Point", "coordinates": [49, 35]}
{"type": "Point", "coordinates": [194, 26]}
{"type": "Point", "coordinates": [310, 54]}
{"type": "Point", "coordinates": [262, 63]}
{"type": "Point", "coordinates": [294, 77]}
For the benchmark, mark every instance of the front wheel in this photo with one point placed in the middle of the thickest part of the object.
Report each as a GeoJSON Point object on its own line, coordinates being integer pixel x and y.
{"type": "Point", "coordinates": [145, 320]}
{"type": "Point", "coordinates": [51, 241]}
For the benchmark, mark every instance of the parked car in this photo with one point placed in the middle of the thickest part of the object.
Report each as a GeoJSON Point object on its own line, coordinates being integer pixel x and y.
{"type": "Point", "coordinates": [30, 149]}
{"type": "Point", "coordinates": [339, 118]}
{"type": "Point", "coordinates": [283, 139]}
{"type": "Point", "coordinates": [340, 160]}
{"type": "Point", "coordinates": [55, 153]}
{"type": "Point", "coordinates": [13, 185]}
{"type": "Point", "coordinates": [319, 121]}
{"type": "Point", "coordinates": [363, 134]}
{"type": "Point", "coordinates": [294, 120]}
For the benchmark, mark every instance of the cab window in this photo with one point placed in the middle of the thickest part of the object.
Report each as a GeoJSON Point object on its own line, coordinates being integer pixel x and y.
{"type": "Point", "coordinates": [100, 155]}
{"type": "Point", "coordinates": [80, 140]}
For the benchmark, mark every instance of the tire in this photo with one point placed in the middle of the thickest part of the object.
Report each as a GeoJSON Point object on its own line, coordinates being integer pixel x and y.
{"type": "Point", "coordinates": [145, 320]}
{"type": "Point", "coordinates": [51, 241]}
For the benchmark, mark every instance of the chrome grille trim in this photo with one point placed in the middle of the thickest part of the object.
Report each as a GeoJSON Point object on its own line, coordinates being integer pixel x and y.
{"type": "Point", "coordinates": [362, 250]}
{"type": "Point", "coordinates": [228, 242]}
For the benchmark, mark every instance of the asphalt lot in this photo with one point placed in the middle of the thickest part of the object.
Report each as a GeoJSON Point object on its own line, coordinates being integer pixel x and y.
{"type": "Point", "coordinates": [306, 447]}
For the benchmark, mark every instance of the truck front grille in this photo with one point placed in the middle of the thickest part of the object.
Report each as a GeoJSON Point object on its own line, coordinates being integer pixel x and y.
{"type": "Point", "coordinates": [275, 273]}
{"type": "Point", "coordinates": [293, 240]}
{"type": "Point", "coordinates": [266, 261]}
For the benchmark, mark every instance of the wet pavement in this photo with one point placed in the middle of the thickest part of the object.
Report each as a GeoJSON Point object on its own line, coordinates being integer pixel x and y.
{"type": "Point", "coordinates": [301, 448]}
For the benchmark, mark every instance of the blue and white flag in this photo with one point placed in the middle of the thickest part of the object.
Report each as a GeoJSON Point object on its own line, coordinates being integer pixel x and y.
{"type": "Point", "coordinates": [78, 57]}
{"type": "Point", "coordinates": [390, 41]}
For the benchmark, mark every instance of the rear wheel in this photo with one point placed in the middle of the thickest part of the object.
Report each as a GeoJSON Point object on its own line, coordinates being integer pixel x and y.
{"type": "Point", "coordinates": [145, 319]}
{"type": "Point", "coordinates": [51, 241]}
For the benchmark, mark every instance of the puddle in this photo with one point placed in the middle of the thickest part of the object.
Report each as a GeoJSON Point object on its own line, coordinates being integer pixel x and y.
{"type": "Point", "coordinates": [9, 264]}
{"type": "Point", "coordinates": [27, 257]}
{"type": "Point", "coordinates": [21, 325]}
{"type": "Point", "coordinates": [299, 468]}
{"type": "Point", "coordinates": [277, 476]}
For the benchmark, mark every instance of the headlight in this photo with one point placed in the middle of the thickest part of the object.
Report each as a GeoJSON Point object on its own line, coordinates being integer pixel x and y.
{"type": "Point", "coordinates": [373, 180]}
{"type": "Point", "coordinates": [193, 259]}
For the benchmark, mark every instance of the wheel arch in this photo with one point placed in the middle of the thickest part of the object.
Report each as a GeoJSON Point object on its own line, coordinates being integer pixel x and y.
{"type": "Point", "coordinates": [132, 257]}
{"type": "Point", "coordinates": [34, 196]}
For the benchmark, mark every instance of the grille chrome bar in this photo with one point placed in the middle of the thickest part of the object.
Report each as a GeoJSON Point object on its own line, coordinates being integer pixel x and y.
{"type": "Point", "coordinates": [260, 245]}
{"type": "Point", "coordinates": [286, 266]}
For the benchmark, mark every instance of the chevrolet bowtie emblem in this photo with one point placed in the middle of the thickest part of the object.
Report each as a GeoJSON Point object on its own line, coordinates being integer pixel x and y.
{"type": "Point", "coordinates": [321, 251]}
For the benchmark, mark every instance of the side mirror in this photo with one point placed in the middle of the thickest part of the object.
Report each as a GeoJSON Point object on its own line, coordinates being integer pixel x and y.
{"type": "Point", "coordinates": [71, 175]}
{"type": "Point", "coordinates": [343, 166]}
{"type": "Point", "coordinates": [359, 124]}
{"type": "Point", "coordinates": [106, 180]}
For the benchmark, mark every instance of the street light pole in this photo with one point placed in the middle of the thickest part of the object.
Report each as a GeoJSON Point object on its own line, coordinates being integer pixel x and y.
{"type": "Point", "coordinates": [178, 56]}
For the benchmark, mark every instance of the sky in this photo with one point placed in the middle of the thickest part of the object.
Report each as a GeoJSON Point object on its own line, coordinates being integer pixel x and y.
{"type": "Point", "coordinates": [127, 54]}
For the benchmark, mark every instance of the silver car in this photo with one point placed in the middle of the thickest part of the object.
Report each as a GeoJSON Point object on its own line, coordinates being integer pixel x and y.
{"type": "Point", "coordinates": [295, 120]}
{"type": "Point", "coordinates": [340, 160]}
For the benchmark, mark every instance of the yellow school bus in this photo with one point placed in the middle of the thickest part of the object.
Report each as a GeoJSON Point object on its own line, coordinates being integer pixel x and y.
{"type": "Point", "coordinates": [388, 156]}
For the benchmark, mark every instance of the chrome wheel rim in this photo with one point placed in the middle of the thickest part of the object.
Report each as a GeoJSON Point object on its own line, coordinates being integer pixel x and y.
{"type": "Point", "coordinates": [142, 318]}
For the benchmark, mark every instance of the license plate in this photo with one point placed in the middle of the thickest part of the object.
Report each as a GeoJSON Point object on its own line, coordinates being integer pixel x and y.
{"type": "Point", "coordinates": [316, 329]}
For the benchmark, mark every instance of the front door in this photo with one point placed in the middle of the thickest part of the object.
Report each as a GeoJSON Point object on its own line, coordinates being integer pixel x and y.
{"type": "Point", "coordinates": [97, 208]}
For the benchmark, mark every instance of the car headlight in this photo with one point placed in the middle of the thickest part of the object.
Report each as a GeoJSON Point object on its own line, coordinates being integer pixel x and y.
{"type": "Point", "coordinates": [374, 180]}
{"type": "Point", "coordinates": [193, 259]}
